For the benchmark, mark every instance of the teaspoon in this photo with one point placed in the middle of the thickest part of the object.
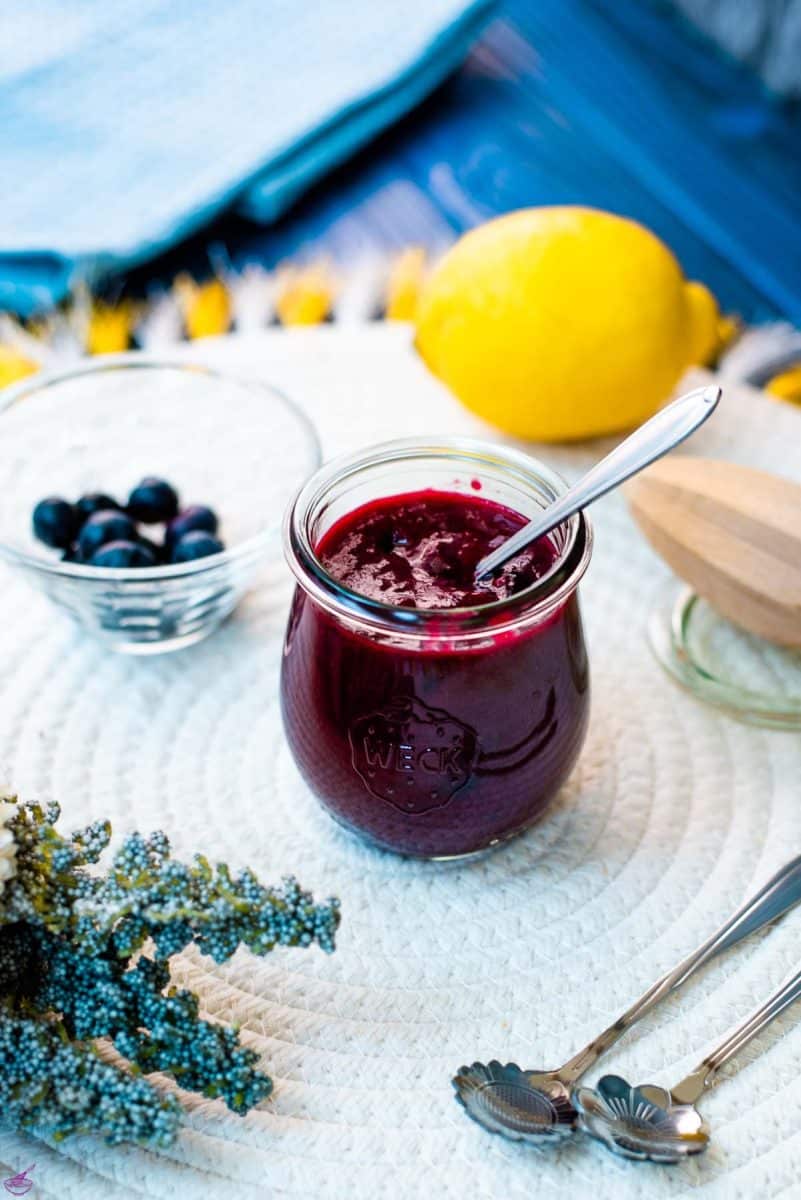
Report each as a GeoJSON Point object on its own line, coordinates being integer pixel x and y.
{"type": "Point", "coordinates": [671, 425]}
{"type": "Point", "coordinates": [648, 1122]}
{"type": "Point", "coordinates": [534, 1105]}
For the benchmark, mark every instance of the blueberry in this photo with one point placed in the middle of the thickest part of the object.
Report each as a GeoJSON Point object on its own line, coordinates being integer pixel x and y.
{"type": "Point", "coordinates": [195, 544]}
{"type": "Point", "coordinates": [196, 516]}
{"type": "Point", "coordinates": [94, 502]}
{"type": "Point", "coordinates": [153, 500]}
{"type": "Point", "coordinates": [55, 522]}
{"type": "Point", "coordinates": [160, 554]}
{"type": "Point", "coordinates": [102, 527]}
{"type": "Point", "coordinates": [122, 553]}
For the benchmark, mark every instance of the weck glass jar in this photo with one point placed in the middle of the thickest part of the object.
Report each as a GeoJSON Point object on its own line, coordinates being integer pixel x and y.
{"type": "Point", "coordinates": [434, 733]}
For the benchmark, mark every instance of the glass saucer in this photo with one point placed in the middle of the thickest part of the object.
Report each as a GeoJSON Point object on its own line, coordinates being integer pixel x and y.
{"type": "Point", "coordinates": [722, 665]}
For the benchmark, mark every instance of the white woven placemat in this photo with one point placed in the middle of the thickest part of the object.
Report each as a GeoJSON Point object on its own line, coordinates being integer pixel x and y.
{"type": "Point", "coordinates": [674, 814]}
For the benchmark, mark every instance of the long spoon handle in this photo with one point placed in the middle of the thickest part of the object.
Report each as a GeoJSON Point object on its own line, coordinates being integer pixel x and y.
{"type": "Point", "coordinates": [777, 896]}
{"type": "Point", "coordinates": [694, 1084]}
{"type": "Point", "coordinates": [667, 429]}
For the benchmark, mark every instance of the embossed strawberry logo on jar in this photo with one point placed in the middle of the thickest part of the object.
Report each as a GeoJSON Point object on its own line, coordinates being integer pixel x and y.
{"type": "Point", "coordinates": [414, 757]}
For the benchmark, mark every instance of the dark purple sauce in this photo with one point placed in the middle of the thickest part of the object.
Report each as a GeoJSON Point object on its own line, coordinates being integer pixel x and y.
{"type": "Point", "coordinates": [421, 551]}
{"type": "Point", "coordinates": [439, 751]}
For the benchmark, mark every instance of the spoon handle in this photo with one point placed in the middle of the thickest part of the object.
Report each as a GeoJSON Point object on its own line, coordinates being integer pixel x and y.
{"type": "Point", "coordinates": [694, 1084]}
{"type": "Point", "coordinates": [778, 895]}
{"type": "Point", "coordinates": [667, 429]}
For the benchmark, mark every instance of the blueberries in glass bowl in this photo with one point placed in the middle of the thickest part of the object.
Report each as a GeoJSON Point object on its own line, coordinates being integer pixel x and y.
{"type": "Point", "coordinates": [98, 532]}
{"type": "Point", "coordinates": [93, 502]}
{"type": "Point", "coordinates": [196, 516]}
{"type": "Point", "coordinates": [101, 527]}
{"type": "Point", "coordinates": [157, 549]}
{"type": "Point", "coordinates": [195, 544]}
{"type": "Point", "coordinates": [123, 554]}
{"type": "Point", "coordinates": [55, 522]}
{"type": "Point", "coordinates": [153, 500]}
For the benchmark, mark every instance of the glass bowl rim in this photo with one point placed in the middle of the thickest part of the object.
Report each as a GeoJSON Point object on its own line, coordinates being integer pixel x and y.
{"type": "Point", "coordinates": [533, 603]}
{"type": "Point", "coordinates": [667, 634]}
{"type": "Point", "coordinates": [250, 547]}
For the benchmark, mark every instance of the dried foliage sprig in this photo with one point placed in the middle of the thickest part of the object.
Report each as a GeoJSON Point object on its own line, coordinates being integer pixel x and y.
{"type": "Point", "coordinates": [85, 955]}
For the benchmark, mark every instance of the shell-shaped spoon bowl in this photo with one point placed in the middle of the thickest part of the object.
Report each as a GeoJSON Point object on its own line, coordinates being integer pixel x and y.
{"type": "Point", "coordinates": [640, 1122]}
{"type": "Point", "coordinates": [526, 1106]}
{"type": "Point", "coordinates": [644, 1122]}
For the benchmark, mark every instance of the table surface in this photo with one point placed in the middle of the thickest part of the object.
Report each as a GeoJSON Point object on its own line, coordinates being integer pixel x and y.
{"type": "Point", "coordinates": [674, 814]}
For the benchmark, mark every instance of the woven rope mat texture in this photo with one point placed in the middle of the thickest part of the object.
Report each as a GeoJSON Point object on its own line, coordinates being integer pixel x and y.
{"type": "Point", "coordinates": [674, 814]}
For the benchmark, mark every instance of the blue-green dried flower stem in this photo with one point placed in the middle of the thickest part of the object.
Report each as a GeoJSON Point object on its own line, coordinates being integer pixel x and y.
{"type": "Point", "coordinates": [74, 967]}
{"type": "Point", "coordinates": [57, 1087]}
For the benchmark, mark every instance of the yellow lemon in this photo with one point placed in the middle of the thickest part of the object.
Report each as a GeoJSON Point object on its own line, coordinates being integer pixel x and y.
{"type": "Point", "coordinates": [563, 323]}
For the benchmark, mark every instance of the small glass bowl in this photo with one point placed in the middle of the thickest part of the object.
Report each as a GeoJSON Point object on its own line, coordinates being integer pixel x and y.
{"type": "Point", "coordinates": [237, 445]}
{"type": "Point", "coordinates": [725, 666]}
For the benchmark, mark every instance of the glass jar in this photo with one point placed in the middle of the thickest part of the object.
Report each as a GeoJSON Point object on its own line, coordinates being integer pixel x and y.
{"type": "Point", "coordinates": [436, 734]}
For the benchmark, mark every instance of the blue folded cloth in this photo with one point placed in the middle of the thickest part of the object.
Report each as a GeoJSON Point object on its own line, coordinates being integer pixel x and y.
{"type": "Point", "coordinates": [129, 125]}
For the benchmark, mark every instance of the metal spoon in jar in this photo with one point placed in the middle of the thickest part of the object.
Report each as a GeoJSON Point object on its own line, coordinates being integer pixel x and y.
{"type": "Point", "coordinates": [535, 1105]}
{"type": "Point", "coordinates": [671, 426]}
{"type": "Point", "coordinates": [650, 1123]}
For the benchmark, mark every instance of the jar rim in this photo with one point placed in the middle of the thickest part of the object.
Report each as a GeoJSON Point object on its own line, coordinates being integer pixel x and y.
{"type": "Point", "coordinates": [531, 604]}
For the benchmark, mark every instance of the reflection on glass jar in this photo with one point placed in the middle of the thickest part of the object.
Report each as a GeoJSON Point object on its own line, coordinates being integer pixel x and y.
{"type": "Point", "coordinates": [434, 733]}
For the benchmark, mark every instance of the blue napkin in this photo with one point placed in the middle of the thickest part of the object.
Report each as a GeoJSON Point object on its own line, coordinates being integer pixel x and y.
{"type": "Point", "coordinates": [128, 125]}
